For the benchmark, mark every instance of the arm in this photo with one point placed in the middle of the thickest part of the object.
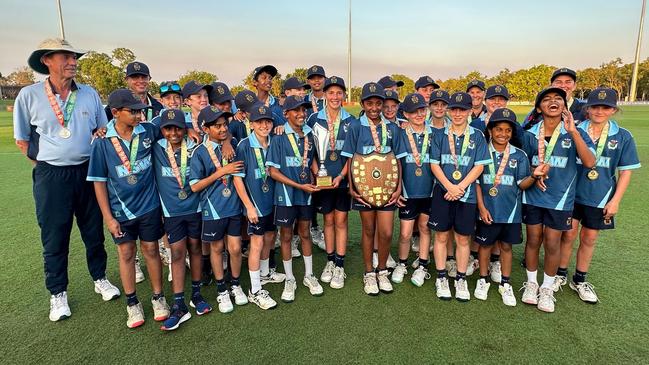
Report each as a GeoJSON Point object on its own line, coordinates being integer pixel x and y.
{"type": "Point", "coordinates": [227, 150]}
{"type": "Point", "coordinates": [485, 216]}
{"type": "Point", "coordinates": [397, 193]}
{"type": "Point", "coordinates": [452, 189]}
{"type": "Point", "coordinates": [583, 151]}
{"type": "Point", "coordinates": [611, 208]}
{"type": "Point", "coordinates": [231, 168]}
{"type": "Point", "coordinates": [251, 211]}
{"type": "Point", "coordinates": [277, 175]}
{"type": "Point", "coordinates": [102, 199]}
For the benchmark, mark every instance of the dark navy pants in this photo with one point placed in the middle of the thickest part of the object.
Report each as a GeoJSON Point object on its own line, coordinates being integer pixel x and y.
{"type": "Point", "coordinates": [62, 193]}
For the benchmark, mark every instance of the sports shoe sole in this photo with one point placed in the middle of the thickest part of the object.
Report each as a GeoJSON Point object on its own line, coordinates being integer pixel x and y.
{"type": "Point", "coordinates": [577, 291]}
{"type": "Point", "coordinates": [287, 300]}
{"type": "Point", "coordinates": [183, 319]}
{"type": "Point", "coordinates": [135, 325]}
{"type": "Point", "coordinates": [61, 318]}
{"type": "Point", "coordinates": [104, 297]}
{"type": "Point", "coordinates": [462, 300]}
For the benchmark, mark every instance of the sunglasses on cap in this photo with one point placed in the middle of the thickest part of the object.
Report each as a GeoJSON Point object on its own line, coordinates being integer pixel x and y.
{"type": "Point", "coordinates": [169, 87]}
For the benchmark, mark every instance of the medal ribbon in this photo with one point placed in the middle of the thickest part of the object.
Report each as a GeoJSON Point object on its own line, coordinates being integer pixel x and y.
{"type": "Point", "coordinates": [135, 145]}
{"type": "Point", "coordinates": [296, 151]}
{"type": "Point", "coordinates": [179, 174]}
{"type": "Point", "coordinates": [546, 153]}
{"type": "Point", "coordinates": [451, 144]}
{"type": "Point", "coordinates": [501, 168]}
{"type": "Point", "coordinates": [215, 160]}
{"type": "Point", "coordinates": [334, 127]}
{"type": "Point", "coordinates": [601, 141]}
{"type": "Point", "coordinates": [413, 146]}
{"type": "Point", "coordinates": [260, 163]}
{"type": "Point", "coordinates": [62, 116]}
{"type": "Point", "coordinates": [375, 136]}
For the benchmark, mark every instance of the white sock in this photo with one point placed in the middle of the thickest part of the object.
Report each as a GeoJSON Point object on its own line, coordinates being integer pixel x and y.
{"type": "Point", "coordinates": [308, 265]}
{"type": "Point", "coordinates": [531, 277]}
{"type": "Point", "coordinates": [263, 267]}
{"type": "Point", "coordinates": [547, 281]}
{"type": "Point", "coordinates": [255, 281]}
{"type": "Point", "coordinates": [288, 270]}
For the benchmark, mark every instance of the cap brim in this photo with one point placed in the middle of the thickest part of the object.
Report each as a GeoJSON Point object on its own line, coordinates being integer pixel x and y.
{"type": "Point", "coordinates": [380, 96]}
{"type": "Point", "coordinates": [316, 74]}
{"type": "Point", "coordinates": [497, 94]}
{"type": "Point", "coordinates": [432, 100]}
{"type": "Point", "coordinates": [459, 106]}
{"type": "Point", "coordinates": [544, 92]}
{"type": "Point", "coordinates": [574, 77]}
{"type": "Point", "coordinates": [174, 124]}
{"type": "Point", "coordinates": [34, 60]}
{"type": "Point", "coordinates": [305, 104]}
{"type": "Point", "coordinates": [339, 85]}
{"type": "Point", "coordinates": [138, 73]}
{"type": "Point", "coordinates": [272, 71]}
{"type": "Point", "coordinates": [137, 106]}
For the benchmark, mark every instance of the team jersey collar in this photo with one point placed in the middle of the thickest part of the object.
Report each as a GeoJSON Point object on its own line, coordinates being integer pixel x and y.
{"type": "Point", "coordinates": [446, 129]}
{"type": "Point", "coordinates": [190, 143]}
{"type": "Point", "coordinates": [254, 142]}
{"type": "Point", "coordinates": [613, 128]}
{"type": "Point", "coordinates": [288, 130]}
{"type": "Point", "coordinates": [366, 122]}
{"type": "Point", "coordinates": [512, 149]}
{"type": "Point", "coordinates": [322, 114]}
{"type": "Point", "coordinates": [112, 132]}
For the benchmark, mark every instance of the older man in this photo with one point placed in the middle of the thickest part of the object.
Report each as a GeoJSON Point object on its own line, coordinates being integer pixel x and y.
{"type": "Point", "coordinates": [137, 79]}
{"type": "Point", "coordinates": [54, 123]}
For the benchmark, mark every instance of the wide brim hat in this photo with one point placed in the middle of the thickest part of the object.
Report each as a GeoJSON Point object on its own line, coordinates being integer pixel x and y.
{"type": "Point", "coordinates": [49, 46]}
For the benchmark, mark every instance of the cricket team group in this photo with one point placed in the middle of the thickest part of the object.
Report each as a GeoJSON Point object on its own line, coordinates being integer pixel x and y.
{"type": "Point", "coordinates": [207, 178]}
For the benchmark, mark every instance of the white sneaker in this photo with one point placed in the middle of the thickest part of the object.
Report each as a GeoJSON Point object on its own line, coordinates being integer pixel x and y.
{"type": "Point", "coordinates": [384, 283]}
{"type": "Point", "coordinates": [442, 289]}
{"type": "Point", "coordinates": [414, 244]}
{"type": "Point", "coordinates": [507, 293]}
{"type": "Point", "coordinates": [559, 281]}
{"type": "Point", "coordinates": [272, 277]}
{"type": "Point", "coordinates": [399, 272]}
{"type": "Point", "coordinates": [107, 290]}
{"type": "Point", "coordinates": [462, 290]}
{"type": "Point", "coordinates": [187, 263]}
{"type": "Point", "coordinates": [481, 289]}
{"type": "Point", "coordinates": [139, 275]}
{"type": "Point", "coordinates": [419, 276]}
{"type": "Point", "coordinates": [546, 300]}
{"type": "Point", "coordinates": [495, 272]}
{"type": "Point", "coordinates": [390, 263]}
{"type": "Point", "coordinates": [170, 276]}
{"type": "Point", "coordinates": [135, 315]}
{"type": "Point", "coordinates": [288, 294]}
{"type": "Point", "coordinates": [59, 308]}
{"type": "Point", "coordinates": [313, 284]}
{"type": "Point", "coordinates": [160, 309]}
{"type": "Point", "coordinates": [586, 291]}
{"type": "Point", "coordinates": [262, 299]}
{"type": "Point", "coordinates": [165, 256]}
{"type": "Point", "coordinates": [415, 263]}
{"type": "Point", "coordinates": [375, 259]}
{"type": "Point", "coordinates": [294, 243]}
{"type": "Point", "coordinates": [328, 272]}
{"type": "Point", "coordinates": [317, 237]}
{"type": "Point", "coordinates": [338, 279]}
{"type": "Point", "coordinates": [225, 304]}
{"type": "Point", "coordinates": [239, 297]}
{"type": "Point", "coordinates": [473, 266]}
{"type": "Point", "coordinates": [451, 267]}
{"type": "Point", "coordinates": [278, 243]}
{"type": "Point", "coordinates": [370, 285]}
{"type": "Point", "coordinates": [530, 293]}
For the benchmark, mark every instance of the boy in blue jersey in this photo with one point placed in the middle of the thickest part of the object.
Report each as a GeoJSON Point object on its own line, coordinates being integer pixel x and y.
{"type": "Point", "coordinates": [171, 97]}
{"type": "Point", "coordinates": [316, 78]}
{"type": "Point", "coordinates": [496, 97]}
{"type": "Point", "coordinates": [457, 157]}
{"type": "Point", "coordinates": [374, 134]}
{"type": "Point", "coordinates": [499, 201]}
{"type": "Point", "coordinates": [391, 107]}
{"type": "Point", "coordinates": [196, 98]}
{"type": "Point", "coordinates": [293, 86]}
{"type": "Point", "coordinates": [547, 206]}
{"type": "Point", "coordinates": [220, 97]}
{"type": "Point", "coordinates": [256, 189]}
{"type": "Point", "coordinates": [334, 203]}
{"type": "Point", "coordinates": [262, 80]}
{"type": "Point", "coordinates": [438, 104]}
{"type": "Point", "coordinates": [476, 88]}
{"type": "Point", "coordinates": [291, 164]}
{"type": "Point", "coordinates": [240, 125]}
{"type": "Point", "coordinates": [120, 167]}
{"type": "Point", "coordinates": [599, 192]}
{"type": "Point", "coordinates": [181, 211]}
{"type": "Point", "coordinates": [210, 174]}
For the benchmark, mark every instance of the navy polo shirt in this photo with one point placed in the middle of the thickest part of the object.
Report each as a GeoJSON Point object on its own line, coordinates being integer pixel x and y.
{"type": "Point", "coordinates": [476, 154]}
{"type": "Point", "coordinates": [251, 175]}
{"type": "Point", "coordinates": [213, 204]}
{"type": "Point", "coordinates": [281, 156]}
{"type": "Point", "coordinates": [167, 184]}
{"type": "Point", "coordinates": [238, 129]}
{"type": "Point", "coordinates": [619, 154]}
{"type": "Point", "coordinates": [479, 122]}
{"type": "Point", "coordinates": [506, 206]}
{"type": "Point", "coordinates": [127, 201]}
{"type": "Point", "coordinates": [154, 111]}
{"type": "Point", "coordinates": [359, 139]}
{"type": "Point", "coordinates": [417, 186]}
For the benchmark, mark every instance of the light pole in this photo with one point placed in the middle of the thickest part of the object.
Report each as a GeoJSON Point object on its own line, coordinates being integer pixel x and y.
{"type": "Point", "coordinates": [636, 64]}
{"type": "Point", "coordinates": [58, 2]}
{"type": "Point", "coordinates": [349, 54]}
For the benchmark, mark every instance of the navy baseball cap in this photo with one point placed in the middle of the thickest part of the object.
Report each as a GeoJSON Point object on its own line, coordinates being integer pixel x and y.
{"type": "Point", "coordinates": [272, 71]}
{"type": "Point", "coordinates": [441, 95]}
{"type": "Point", "coordinates": [425, 81]}
{"type": "Point", "coordinates": [388, 81]}
{"type": "Point", "coordinates": [210, 115]}
{"type": "Point", "coordinates": [260, 111]}
{"type": "Point", "coordinates": [564, 71]}
{"type": "Point", "coordinates": [371, 90]}
{"type": "Point", "coordinates": [315, 70]}
{"type": "Point", "coordinates": [295, 83]}
{"type": "Point", "coordinates": [391, 95]}
{"type": "Point", "coordinates": [475, 83]}
{"type": "Point", "coordinates": [412, 102]}
{"type": "Point", "coordinates": [172, 117]}
{"type": "Point", "coordinates": [497, 90]}
{"type": "Point", "coordinates": [220, 93]}
{"type": "Point", "coordinates": [602, 96]}
{"type": "Point", "coordinates": [169, 87]}
{"type": "Point", "coordinates": [334, 81]}
{"type": "Point", "coordinates": [503, 115]}
{"type": "Point", "coordinates": [548, 90]}
{"type": "Point", "coordinates": [193, 87]}
{"type": "Point", "coordinates": [137, 68]}
{"type": "Point", "coordinates": [245, 99]}
{"type": "Point", "coordinates": [295, 101]}
{"type": "Point", "coordinates": [123, 98]}
{"type": "Point", "coordinates": [460, 100]}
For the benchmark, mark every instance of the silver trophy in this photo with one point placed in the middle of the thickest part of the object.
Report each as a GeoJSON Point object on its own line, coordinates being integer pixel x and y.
{"type": "Point", "coordinates": [321, 136]}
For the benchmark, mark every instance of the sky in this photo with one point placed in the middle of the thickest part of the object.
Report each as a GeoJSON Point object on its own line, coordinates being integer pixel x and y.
{"type": "Point", "coordinates": [439, 38]}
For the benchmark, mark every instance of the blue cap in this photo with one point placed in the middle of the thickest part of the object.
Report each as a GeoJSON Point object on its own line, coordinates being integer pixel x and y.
{"type": "Point", "coordinates": [412, 102]}
{"type": "Point", "coordinates": [220, 93]}
{"type": "Point", "coordinates": [497, 90]}
{"type": "Point", "coordinates": [260, 111]}
{"type": "Point", "coordinates": [334, 81]}
{"type": "Point", "coordinates": [441, 95]}
{"type": "Point", "coordinates": [548, 90]}
{"type": "Point", "coordinates": [388, 81]}
{"type": "Point", "coordinates": [172, 117]}
{"type": "Point", "coordinates": [425, 81]}
{"type": "Point", "coordinates": [245, 99]}
{"type": "Point", "coordinates": [123, 98]}
{"type": "Point", "coordinates": [563, 71]}
{"type": "Point", "coordinates": [460, 100]}
{"type": "Point", "coordinates": [295, 83]}
{"type": "Point", "coordinates": [294, 102]}
{"type": "Point", "coordinates": [602, 96]}
{"type": "Point", "coordinates": [315, 70]}
{"type": "Point", "coordinates": [502, 115]}
{"type": "Point", "coordinates": [272, 71]}
{"type": "Point", "coordinates": [475, 83]}
{"type": "Point", "coordinates": [137, 68]}
{"type": "Point", "coordinates": [371, 90]}
{"type": "Point", "coordinates": [210, 115]}
{"type": "Point", "coordinates": [391, 95]}
{"type": "Point", "coordinates": [194, 87]}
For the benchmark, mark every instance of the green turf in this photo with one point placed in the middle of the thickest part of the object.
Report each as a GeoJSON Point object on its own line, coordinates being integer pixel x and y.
{"type": "Point", "coordinates": [344, 326]}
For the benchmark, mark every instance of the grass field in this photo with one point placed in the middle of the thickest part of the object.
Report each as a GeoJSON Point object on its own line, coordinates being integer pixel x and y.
{"type": "Point", "coordinates": [344, 326]}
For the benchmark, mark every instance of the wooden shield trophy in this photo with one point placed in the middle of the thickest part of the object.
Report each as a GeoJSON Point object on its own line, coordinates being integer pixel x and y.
{"type": "Point", "coordinates": [375, 177]}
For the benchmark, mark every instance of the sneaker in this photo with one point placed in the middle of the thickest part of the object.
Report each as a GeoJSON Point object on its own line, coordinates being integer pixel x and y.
{"type": "Point", "coordinates": [278, 243]}
{"type": "Point", "coordinates": [59, 308]}
{"type": "Point", "coordinates": [375, 259]}
{"type": "Point", "coordinates": [202, 307]}
{"type": "Point", "coordinates": [165, 254]}
{"type": "Point", "coordinates": [139, 275]}
{"type": "Point", "coordinates": [370, 286]}
{"type": "Point", "coordinates": [177, 317]}
{"type": "Point", "coordinates": [245, 251]}
{"type": "Point", "coordinates": [273, 277]}
{"type": "Point", "coordinates": [328, 272]}
{"type": "Point", "coordinates": [262, 299]}
{"type": "Point", "coordinates": [419, 276]}
{"type": "Point", "coordinates": [473, 266]}
{"type": "Point", "coordinates": [160, 309]}
{"type": "Point", "coordinates": [546, 300]}
{"type": "Point", "coordinates": [390, 263]}
{"type": "Point", "coordinates": [414, 244]}
{"type": "Point", "coordinates": [135, 315]}
{"type": "Point", "coordinates": [586, 291]}
{"type": "Point", "coordinates": [239, 296]}
{"type": "Point", "coordinates": [507, 293]}
{"type": "Point", "coordinates": [451, 267]}
{"type": "Point", "coordinates": [225, 304]}
{"type": "Point", "coordinates": [495, 272]}
{"type": "Point", "coordinates": [481, 289]}
{"type": "Point", "coordinates": [415, 263]}
{"type": "Point", "coordinates": [107, 290]}
{"type": "Point", "coordinates": [317, 237]}
{"type": "Point", "coordinates": [338, 279]}
{"type": "Point", "coordinates": [384, 283]}
{"type": "Point", "coordinates": [462, 290]}
{"type": "Point", "coordinates": [313, 284]}
{"type": "Point", "coordinates": [559, 281]}
{"type": "Point", "coordinates": [294, 243]}
{"type": "Point", "coordinates": [530, 293]}
{"type": "Point", "coordinates": [288, 294]}
{"type": "Point", "coordinates": [399, 272]}
{"type": "Point", "coordinates": [442, 289]}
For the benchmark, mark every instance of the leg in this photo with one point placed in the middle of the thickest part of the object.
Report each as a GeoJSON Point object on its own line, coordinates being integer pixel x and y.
{"type": "Point", "coordinates": [216, 259]}
{"type": "Point", "coordinates": [385, 224]}
{"type": "Point", "coordinates": [303, 230]}
{"type": "Point", "coordinates": [178, 252]}
{"type": "Point", "coordinates": [484, 253]}
{"type": "Point", "coordinates": [285, 236]}
{"type": "Point", "coordinates": [533, 245]}
{"type": "Point", "coordinates": [424, 236]}
{"type": "Point", "coordinates": [567, 243]}
{"type": "Point", "coordinates": [330, 231]}
{"type": "Point", "coordinates": [234, 249]}
{"type": "Point", "coordinates": [89, 221]}
{"type": "Point", "coordinates": [126, 256]}
{"type": "Point", "coordinates": [340, 226]}
{"type": "Point", "coordinates": [587, 240]}
{"type": "Point", "coordinates": [462, 252]}
{"type": "Point", "coordinates": [405, 232]}
{"type": "Point", "coordinates": [194, 246]}
{"type": "Point", "coordinates": [440, 245]}
{"type": "Point", "coordinates": [368, 221]}
{"type": "Point", "coordinates": [506, 258]}
{"type": "Point", "coordinates": [552, 250]}
{"type": "Point", "coordinates": [151, 253]}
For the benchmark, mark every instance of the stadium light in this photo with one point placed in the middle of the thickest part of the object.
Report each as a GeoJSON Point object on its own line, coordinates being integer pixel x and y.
{"type": "Point", "coordinates": [636, 64]}
{"type": "Point", "coordinates": [58, 3]}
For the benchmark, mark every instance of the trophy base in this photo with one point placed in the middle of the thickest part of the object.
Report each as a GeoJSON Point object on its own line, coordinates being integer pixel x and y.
{"type": "Point", "coordinates": [324, 181]}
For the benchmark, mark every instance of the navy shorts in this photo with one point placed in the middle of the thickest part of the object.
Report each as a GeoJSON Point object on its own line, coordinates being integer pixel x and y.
{"type": "Point", "coordinates": [215, 230]}
{"type": "Point", "coordinates": [178, 228]}
{"type": "Point", "coordinates": [286, 216]}
{"type": "Point", "coordinates": [414, 207]}
{"type": "Point", "coordinates": [561, 220]}
{"type": "Point", "coordinates": [147, 228]}
{"type": "Point", "coordinates": [488, 234]}
{"type": "Point", "coordinates": [326, 201]}
{"type": "Point", "coordinates": [592, 217]}
{"type": "Point", "coordinates": [445, 214]}
{"type": "Point", "coordinates": [265, 224]}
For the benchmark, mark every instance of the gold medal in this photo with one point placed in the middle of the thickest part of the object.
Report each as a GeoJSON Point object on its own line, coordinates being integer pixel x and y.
{"type": "Point", "coordinates": [65, 133]}
{"type": "Point", "coordinates": [593, 174]}
{"type": "Point", "coordinates": [418, 171]}
{"type": "Point", "coordinates": [265, 188]}
{"type": "Point", "coordinates": [131, 179]}
{"type": "Point", "coordinates": [493, 191]}
{"type": "Point", "coordinates": [226, 192]}
{"type": "Point", "coordinates": [457, 175]}
{"type": "Point", "coordinates": [182, 195]}
{"type": "Point", "coordinates": [333, 156]}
